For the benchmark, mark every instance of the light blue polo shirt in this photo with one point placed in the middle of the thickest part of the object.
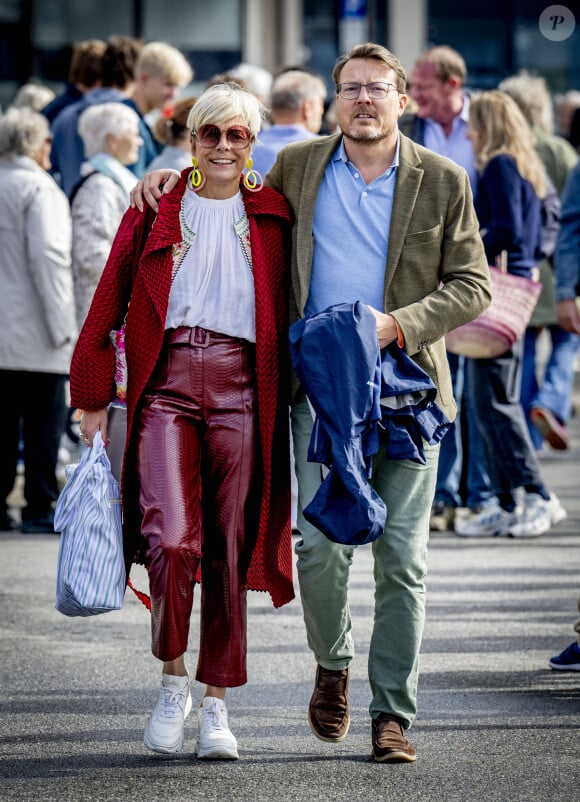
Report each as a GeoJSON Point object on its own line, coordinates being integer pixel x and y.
{"type": "Point", "coordinates": [456, 146]}
{"type": "Point", "coordinates": [351, 235]}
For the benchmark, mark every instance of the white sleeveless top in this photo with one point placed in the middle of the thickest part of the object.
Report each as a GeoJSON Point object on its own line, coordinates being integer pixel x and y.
{"type": "Point", "coordinates": [213, 283]}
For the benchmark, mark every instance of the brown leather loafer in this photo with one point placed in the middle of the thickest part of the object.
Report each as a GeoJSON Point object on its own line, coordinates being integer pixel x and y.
{"type": "Point", "coordinates": [389, 742]}
{"type": "Point", "coordinates": [328, 711]}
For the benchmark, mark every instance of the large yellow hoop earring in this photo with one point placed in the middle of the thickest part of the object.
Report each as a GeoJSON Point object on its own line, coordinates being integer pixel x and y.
{"type": "Point", "coordinates": [252, 178]}
{"type": "Point", "coordinates": [197, 178]}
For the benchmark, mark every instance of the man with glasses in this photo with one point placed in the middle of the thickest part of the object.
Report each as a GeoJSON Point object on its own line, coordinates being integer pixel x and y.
{"type": "Point", "coordinates": [380, 220]}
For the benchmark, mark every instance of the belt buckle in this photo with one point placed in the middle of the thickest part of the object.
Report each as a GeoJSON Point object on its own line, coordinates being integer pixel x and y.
{"type": "Point", "coordinates": [200, 337]}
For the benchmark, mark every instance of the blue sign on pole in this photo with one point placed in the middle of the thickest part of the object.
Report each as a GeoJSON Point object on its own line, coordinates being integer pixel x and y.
{"type": "Point", "coordinates": [353, 8]}
{"type": "Point", "coordinates": [353, 24]}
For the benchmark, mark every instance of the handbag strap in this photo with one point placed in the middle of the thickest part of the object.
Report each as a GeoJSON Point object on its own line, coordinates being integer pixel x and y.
{"type": "Point", "coordinates": [501, 261]}
{"type": "Point", "coordinates": [143, 597]}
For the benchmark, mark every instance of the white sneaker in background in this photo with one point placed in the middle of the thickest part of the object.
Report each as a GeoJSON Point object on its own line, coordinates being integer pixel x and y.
{"type": "Point", "coordinates": [164, 731]}
{"type": "Point", "coordinates": [215, 740]}
{"type": "Point", "coordinates": [491, 520]}
{"type": "Point", "coordinates": [557, 511]}
{"type": "Point", "coordinates": [535, 517]}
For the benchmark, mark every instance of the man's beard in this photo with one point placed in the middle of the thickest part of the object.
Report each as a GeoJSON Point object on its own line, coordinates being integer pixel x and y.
{"type": "Point", "coordinates": [367, 137]}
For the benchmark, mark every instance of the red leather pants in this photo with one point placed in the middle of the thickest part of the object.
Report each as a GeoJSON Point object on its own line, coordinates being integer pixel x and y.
{"type": "Point", "coordinates": [199, 475]}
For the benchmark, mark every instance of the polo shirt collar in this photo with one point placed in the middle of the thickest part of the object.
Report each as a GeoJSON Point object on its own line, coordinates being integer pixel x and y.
{"type": "Point", "coordinates": [340, 153]}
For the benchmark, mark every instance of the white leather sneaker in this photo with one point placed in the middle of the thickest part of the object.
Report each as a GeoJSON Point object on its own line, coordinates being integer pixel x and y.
{"type": "Point", "coordinates": [164, 731]}
{"type": "Point", "coordinates": [215, 741]}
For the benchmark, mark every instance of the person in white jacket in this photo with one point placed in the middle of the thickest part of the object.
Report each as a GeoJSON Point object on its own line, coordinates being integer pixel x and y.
{"type": "Point", "coordinates": [37, 311]}
{"type": "Point", "coordinates": [110, 134]}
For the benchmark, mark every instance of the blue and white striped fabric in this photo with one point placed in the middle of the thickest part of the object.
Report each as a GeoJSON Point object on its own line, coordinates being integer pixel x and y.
{"type": "Point", "coordinates": [91, 568]}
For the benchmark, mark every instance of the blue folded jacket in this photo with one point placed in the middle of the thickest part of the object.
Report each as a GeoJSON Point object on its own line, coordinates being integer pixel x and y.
{"type": "Point", "coordinates": [360, 401]}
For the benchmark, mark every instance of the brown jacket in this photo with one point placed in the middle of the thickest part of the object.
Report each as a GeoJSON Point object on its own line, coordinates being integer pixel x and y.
{"type": "Point", "coordinates": [436, 275]}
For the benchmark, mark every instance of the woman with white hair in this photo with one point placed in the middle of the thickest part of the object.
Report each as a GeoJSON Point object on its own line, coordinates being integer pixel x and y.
{"type": "Point", "coordinates": [206, 482]}
{"type": "Point", "coordinates": [110, 134]}
{"type": "Point", "coordinates": [37, 313]}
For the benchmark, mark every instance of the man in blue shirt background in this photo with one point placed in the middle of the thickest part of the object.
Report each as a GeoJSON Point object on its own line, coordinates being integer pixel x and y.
{"type": "Point", "coordinates": [296, 108]}
{"type": "Point", "coordinates": [437, 86]}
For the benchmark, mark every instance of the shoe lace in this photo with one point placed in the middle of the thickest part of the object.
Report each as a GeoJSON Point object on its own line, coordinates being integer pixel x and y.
{"type": "Point", "coordinates": [215, 716]}
{"type": "Point", "coordinates": [489, 515]}
{"type": "Point", "coordinates": [536, 508]}
{"type": "Point", "coordinates": [173, 702]}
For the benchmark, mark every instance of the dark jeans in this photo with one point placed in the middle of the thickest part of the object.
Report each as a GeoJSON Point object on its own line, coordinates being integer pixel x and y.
{"type": "Point", "coordinates": [462, 477]}
{"type": "Point", "coordinates": [495, 386]}
{"type": "Point", "coordinates": [34, 407]}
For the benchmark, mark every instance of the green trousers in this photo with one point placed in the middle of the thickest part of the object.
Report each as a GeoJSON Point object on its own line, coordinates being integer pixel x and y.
{"type": "Point", "coordinates": [400, 567]}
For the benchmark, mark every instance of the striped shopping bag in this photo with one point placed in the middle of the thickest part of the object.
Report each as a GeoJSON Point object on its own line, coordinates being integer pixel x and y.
{"type": "Point", "coordinates": [91, 569]}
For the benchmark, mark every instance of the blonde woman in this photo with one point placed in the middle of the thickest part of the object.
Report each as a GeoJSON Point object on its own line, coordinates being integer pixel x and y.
{"type": "Point", "coordinates": [547, 401]}
{"type": "Point", "coordinates": [511, 184]}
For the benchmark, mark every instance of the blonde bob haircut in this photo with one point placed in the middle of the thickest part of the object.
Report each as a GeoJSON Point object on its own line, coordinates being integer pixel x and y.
{"type": "Point", "coordinates": [501, 127]}
{"type": "Point", "coordinates": [221, 103]}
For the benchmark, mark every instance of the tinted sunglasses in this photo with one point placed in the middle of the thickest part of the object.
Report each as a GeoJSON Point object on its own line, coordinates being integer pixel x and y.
{"type": "Point", "coordinates": [209, 136]}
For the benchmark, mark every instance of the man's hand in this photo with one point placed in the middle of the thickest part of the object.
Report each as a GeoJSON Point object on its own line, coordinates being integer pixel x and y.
{"type": "Point", "coordinates": [386, 327]}
{"type": "Point", "coordinates": [151, 187]}
{"type": "Point", "coordinates": [568, 315]}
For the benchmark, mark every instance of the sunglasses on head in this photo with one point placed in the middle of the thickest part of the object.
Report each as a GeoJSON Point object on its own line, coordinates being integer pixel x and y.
{"type": "Point", "coordinates": [209, 136]}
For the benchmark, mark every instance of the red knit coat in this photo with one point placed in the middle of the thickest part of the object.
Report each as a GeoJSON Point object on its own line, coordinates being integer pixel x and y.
{"type": "Point", "coordinates": [139, 270]}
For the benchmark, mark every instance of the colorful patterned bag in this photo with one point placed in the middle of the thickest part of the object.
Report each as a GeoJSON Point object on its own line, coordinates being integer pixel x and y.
{"type": "Point", "coordinates": [118, 338]}
{"type": "Point", "coordinates": [91, 568]}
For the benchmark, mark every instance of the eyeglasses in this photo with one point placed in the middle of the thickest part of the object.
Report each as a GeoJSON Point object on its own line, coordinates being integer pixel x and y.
{"type": "Point", "coordinates": [376, 90]}
{"type": "Point", "coordinates": [209, 136]}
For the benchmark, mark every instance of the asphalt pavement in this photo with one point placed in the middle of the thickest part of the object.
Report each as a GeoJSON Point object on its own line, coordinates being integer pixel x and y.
{"type": "Point", "coordinates": [494, 724]}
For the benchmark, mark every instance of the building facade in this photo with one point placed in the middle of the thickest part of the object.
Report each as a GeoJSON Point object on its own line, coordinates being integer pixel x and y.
{"type": "Point", "coordinates": [496, 37]}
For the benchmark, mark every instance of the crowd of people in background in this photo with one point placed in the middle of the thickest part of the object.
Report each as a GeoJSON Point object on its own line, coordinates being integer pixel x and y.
{"type": "Point", "coordinates": [68, 164]}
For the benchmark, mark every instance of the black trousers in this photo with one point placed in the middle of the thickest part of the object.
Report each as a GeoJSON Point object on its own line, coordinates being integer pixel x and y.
{"type": "Point", "coordinates": [495, 389]}
{"type": "Point", "coordinates": [34, 408]}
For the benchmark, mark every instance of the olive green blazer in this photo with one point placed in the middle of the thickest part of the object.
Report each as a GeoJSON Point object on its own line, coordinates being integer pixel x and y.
{"type": "Point", "coordinates": [436, 275]}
